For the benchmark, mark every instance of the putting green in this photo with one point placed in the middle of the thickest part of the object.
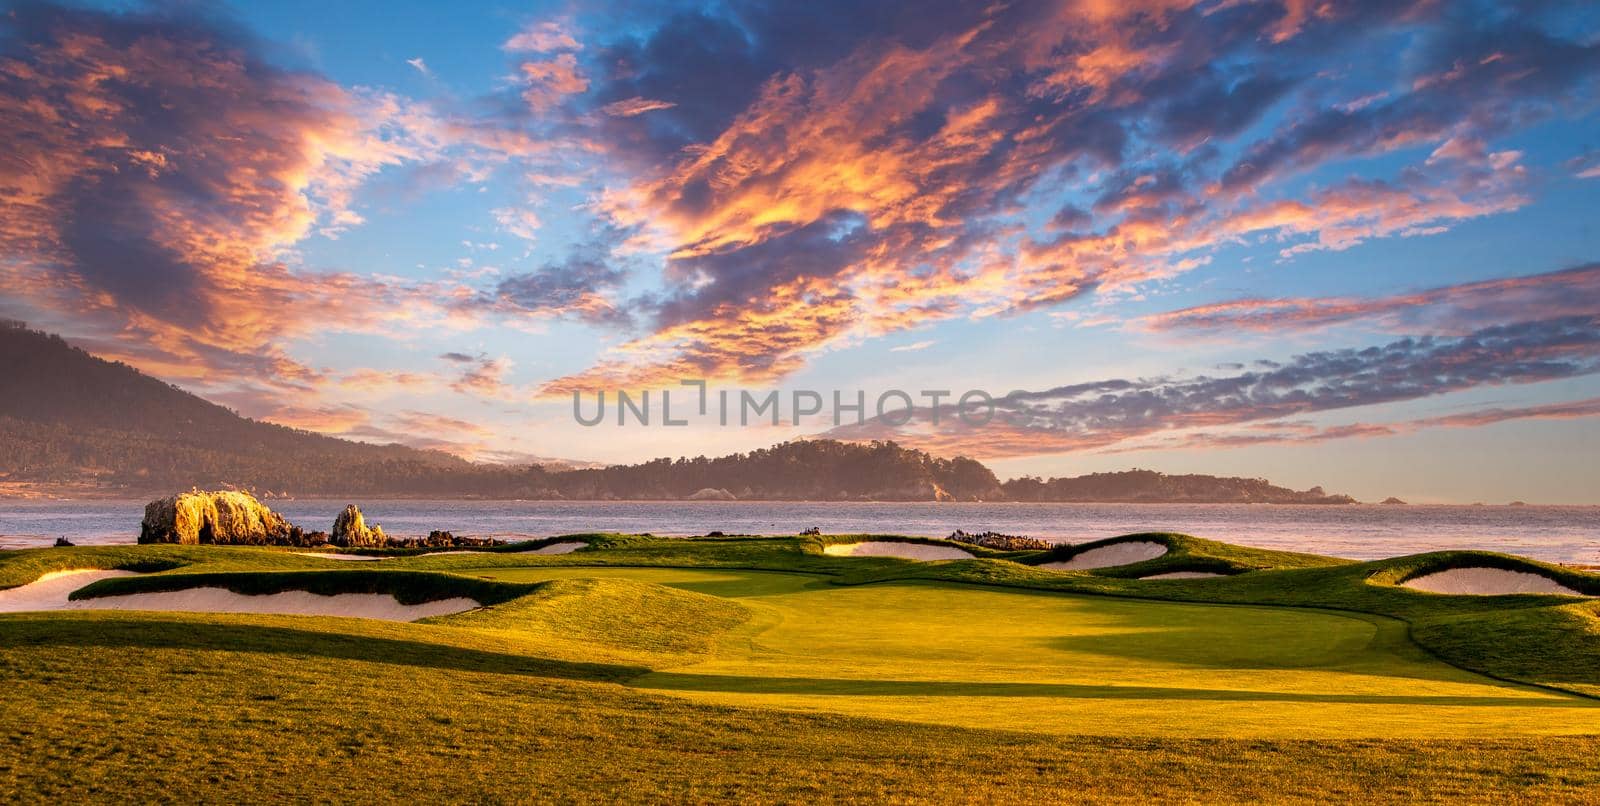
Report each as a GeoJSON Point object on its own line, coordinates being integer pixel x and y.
{"type": "Point", "coordinates": [1073, 665]}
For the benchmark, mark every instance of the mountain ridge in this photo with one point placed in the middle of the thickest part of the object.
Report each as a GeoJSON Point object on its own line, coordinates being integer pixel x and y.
{"type": "Point", "coordinates": [70, 420]}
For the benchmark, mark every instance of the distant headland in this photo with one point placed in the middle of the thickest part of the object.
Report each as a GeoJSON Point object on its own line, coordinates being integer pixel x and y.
{"type": "Point", "coordinates": [90, 428]}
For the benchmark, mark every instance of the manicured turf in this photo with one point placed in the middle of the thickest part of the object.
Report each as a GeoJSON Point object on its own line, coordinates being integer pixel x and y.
{"type": "Point", "coordinates": [761, 669]}
{"type": "Point", "coordinates": [985, 657]}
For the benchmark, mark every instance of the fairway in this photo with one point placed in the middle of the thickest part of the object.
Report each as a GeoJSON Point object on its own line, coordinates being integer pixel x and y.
{"type": "Point", "coordinates": [969, 656]}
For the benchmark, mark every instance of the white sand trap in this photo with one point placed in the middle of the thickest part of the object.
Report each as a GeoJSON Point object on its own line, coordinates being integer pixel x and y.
{"type": "Point", "coordinates": [328, 555]}
{"type": "Point", "coordinates": [895, 548]}
{"type": "Point", "coordinates": [288, 603]}
{"type": "Point", "coordinates": [50, 591]}
{"type": "Point", "coordinates": [566, 547]}
{"type": "Point", "coordinates": [1184, 575]}
{"type": "Point", "coordinates": [1487, 582]}
{"type": "Point", "coordinates": [1125, 553]}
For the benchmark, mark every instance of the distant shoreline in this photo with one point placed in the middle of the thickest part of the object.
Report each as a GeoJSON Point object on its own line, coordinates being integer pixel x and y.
{"type": "Point", "coordinates": [70, 493]}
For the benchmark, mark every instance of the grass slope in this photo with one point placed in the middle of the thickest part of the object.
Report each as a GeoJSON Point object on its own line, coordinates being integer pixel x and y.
{"type": "Point", "coordinates": [763, 670]}
{"type": "Point", "coordinates": [218, 708]}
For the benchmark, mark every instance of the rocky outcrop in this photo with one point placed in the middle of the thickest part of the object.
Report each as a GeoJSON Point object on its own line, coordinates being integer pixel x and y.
{"type": "Point", "coordinates": [439, 539]}
{"type": "Point", "coordinates": [223, 517]}
{"type": "Point", "coordinates": [1392, 501]}
{"type": "Point", "coordinates": [1001, 542]}
{"type": "Point", "coordinates": [350, 531]}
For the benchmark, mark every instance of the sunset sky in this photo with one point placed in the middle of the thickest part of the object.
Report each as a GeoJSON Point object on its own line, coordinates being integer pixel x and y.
{"type": "Point", "coordinates": [1348, 244]}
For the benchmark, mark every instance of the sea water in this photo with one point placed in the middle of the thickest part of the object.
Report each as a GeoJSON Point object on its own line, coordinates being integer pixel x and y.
{"type": "Point", "coordinates": [1566, 534]}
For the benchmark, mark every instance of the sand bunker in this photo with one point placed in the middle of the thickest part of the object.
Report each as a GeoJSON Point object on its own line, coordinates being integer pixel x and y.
{"type": "Point", "coordinates": [50, 592]}
{"type": "Point", "coordinates": [1125, 553]}
{"type": "Point", "coordinates": [1184, 575]}
{"type": "Point", "coordinates": [894, 548]}
{"type": "Point", "coordinates": [328, 555]}
{"type": "Point", "coordinates": [566, 547]}
{"type": "Point", "coordinates": [288, 603]}
{"type": "Point", "coordinates": [1484, 581]}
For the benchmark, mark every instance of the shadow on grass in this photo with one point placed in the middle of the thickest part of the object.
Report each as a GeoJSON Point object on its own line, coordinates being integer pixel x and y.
{"type": "Point", "coordinates": [119, 632]}
{"type": "Point", "coordinates": [686, 682]}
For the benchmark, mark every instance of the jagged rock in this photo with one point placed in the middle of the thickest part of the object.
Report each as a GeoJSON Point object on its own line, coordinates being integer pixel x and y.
{"type": "Point", "coordinates": [439, 539]}
{"type": "Point", "coordinates": [712, 494]}
{"type": "Point", "coordinates": [350, 530]}
{"type": "Point", "coordinates": [1001, 542]}
{"type": "Point", "coordinates": [223, 517]}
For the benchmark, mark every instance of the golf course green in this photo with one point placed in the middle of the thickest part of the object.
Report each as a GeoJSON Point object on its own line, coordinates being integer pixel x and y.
{"type": "Point", "coordinates": [763, 669]}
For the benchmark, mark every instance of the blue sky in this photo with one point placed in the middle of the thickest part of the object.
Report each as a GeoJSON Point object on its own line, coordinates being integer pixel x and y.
{"type": "Point", "coordinates": [433, 224]}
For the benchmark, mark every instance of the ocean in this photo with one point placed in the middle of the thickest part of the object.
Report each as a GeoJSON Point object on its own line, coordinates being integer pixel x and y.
{"type": "Point", "coordinates": [1563, 534]}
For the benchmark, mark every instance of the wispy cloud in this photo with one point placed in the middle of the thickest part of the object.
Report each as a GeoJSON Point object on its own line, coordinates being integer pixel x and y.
{"type": "Point", "coordinates": [1454, 308]}
{"type": "Point", "coordinates": [1112, 412]}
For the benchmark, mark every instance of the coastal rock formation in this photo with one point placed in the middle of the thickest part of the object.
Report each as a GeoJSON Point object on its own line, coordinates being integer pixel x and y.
{"type": "Point", "coordinates": [1001, 542]}
{"type": "Point", "coordinates": [223, 517]}
{"type": "Point", "coordinates": [440, 539]}
{"type": "Point", "coordinates": [1392, 501]}
{"type": "Point", "coordinates": [350, 530]}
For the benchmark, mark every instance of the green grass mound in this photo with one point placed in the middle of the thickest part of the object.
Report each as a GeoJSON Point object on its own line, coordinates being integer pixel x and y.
{"type": "Point", "coordinates": [1181, 553]}
{"type": "Point", "coordinates": [1402, 570]}
{"type": "Point", "coordinates": [613, 619]}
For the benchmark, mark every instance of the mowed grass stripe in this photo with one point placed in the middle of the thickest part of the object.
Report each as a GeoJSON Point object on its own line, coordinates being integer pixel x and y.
{"type": "Point", "coordinates": [980, 657]}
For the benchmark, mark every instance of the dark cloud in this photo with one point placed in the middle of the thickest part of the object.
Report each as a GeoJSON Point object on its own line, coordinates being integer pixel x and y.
{"type": "Point", "coordinates": [1090, 416]}
{"type": "Point", "coordinates": [582, 286]}
{"type": "Point", "coordinates": [819, 250]}
{"type": "Point", "coordinates": [1220, 105]}
{"type": "Point", "coordinates": [1485, 71]}
{"type": "Point", "coordinates": [153, 165]}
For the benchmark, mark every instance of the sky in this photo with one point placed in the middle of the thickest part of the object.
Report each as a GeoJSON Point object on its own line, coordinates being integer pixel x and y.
{"type": "Point", "coordinates": [1326, 243]}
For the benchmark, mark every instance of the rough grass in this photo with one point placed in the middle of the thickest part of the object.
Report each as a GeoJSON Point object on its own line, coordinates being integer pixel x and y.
{"type": "Point", "coordinates": [1185, 553]}
{"type": "Point", "coordinates": [889, 677]}
{"type": "Point", "coordinates": [140, 707]}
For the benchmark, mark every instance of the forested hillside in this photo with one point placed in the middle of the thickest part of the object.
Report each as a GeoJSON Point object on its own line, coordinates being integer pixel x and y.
{"type": "Point", "coordinates": [68, 417]}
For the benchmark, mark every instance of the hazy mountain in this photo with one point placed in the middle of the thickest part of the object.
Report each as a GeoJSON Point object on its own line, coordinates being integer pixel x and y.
{"type": "Point", "coordinates": [70, 418]}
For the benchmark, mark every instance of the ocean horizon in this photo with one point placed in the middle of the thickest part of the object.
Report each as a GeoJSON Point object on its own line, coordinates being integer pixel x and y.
{"type": "Point", "coordinates": [1559, 534]}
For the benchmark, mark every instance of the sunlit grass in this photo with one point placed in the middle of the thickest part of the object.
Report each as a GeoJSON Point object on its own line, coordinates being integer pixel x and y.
{"type": "Point", "coordinates": [763, 670]}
